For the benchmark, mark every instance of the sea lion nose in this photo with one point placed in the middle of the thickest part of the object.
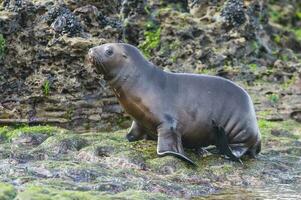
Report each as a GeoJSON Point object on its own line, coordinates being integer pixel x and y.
{"type": "Point", "coordinates": [91, 51]}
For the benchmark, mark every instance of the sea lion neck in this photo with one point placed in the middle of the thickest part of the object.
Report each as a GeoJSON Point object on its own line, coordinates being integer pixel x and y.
{"type": "Point", "coordinates": [136, 73]}
{"type": "Point", "coordinates": [127, 74]}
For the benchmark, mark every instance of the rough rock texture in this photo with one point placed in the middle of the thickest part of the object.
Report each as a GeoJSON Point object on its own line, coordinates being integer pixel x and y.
{"type": "Point", "coordinates": [45, 78]}
{"type": "Point", "coordinates": [45, 162]}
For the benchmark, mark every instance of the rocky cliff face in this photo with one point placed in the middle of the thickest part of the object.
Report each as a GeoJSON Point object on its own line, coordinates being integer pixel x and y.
{"type": "Point", "coordinates": [45, 79]}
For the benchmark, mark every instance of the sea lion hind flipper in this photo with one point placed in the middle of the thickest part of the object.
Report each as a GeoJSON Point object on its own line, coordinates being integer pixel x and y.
{"type": "Point", "coordinates": [170, 143]}
{"type": "Point", "coordinates": [222, 144]}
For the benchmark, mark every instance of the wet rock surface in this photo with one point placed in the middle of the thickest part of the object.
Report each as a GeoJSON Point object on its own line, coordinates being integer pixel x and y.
{"type": "Point", "coordinates": [106, 165]}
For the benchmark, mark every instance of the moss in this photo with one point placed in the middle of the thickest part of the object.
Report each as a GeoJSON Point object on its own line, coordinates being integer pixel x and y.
{"type": "Point", "coordinates": [146, 148]}
{"type": "Point", "coordinates": [4, 132]}
{"type": "Point", "coordinates": [277, 39]}
{"type": "Point", "coordinates": [297, 33]}
{"type": "Point", "coordinates": [2, 46]}
{"type": "Point", "coordinates": [63, 143]}
{"type": "Point", "coordinates": [47, 193]}
{"type": "Point", "coordinates": [284, 57]}
{"type": "Point", "coordinates": [69, 113]}
{"type": "Point", "coordinates": [298, 15]}
{"type": "Point", "coordinates": [209, 71]}
{"type": "Point", "coordinates": [151, 41]}
{"type": "Point", "coordinates": [289, 82]}
{"type": "Point", "coordinates": [7, 192]}
{"type": "Point", "coordinates": [253, 67]}
{"type": "Point", "coordinates": [46, 87]}
{"type": "Point", "coordinates": [175, 44]}
{"type": "Point", "coordinates": [273, 98]}
{"type": "Point", "coordinates": [267, 126]}
{"type": "Point", "coordinates": [136, 194]}
{"type": "Point", "coordinates": [166, 164]}
{"type": "Point", "coordinates": [42, 193]}
{"type": "Point", "coordinates": [117, 136]}
{"type": "Point", "coordinates": [265, 113]}
{"type": "Point", "coordinates": [8, 134]}
{"type": "Point", "coordinates": [255, 46]}
{"type": "Point", "coordinates": [274, 15]}
{"type": "Point", "coordinates": [220, 170]}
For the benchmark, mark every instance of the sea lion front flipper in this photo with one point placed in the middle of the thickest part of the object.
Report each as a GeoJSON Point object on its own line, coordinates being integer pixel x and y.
{"type": "Point", "coordinates": [222, 144]}
{"type": "Point", "coordinates": [170, 143]}
{"type": "Point", "coordinates": [136, 132]}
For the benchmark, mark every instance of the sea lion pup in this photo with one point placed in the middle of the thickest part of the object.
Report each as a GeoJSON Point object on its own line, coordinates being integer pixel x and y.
{"type": "Point", "coordinates": [178, 109]}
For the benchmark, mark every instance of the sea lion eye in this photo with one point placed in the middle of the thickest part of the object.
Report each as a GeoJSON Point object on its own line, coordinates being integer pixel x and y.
{"type": "Point", "coordinates": [109, 52]}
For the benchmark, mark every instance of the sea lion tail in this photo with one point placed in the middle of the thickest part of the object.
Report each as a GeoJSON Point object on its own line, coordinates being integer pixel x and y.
{"type": "Point", "coordinates": [222, 143]}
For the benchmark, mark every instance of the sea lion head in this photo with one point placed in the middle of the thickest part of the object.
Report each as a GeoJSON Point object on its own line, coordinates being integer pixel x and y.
{"type": "Point", "coordinates": [112, 59]}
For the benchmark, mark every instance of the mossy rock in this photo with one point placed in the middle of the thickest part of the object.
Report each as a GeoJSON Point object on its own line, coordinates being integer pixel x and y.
{"type": "Point", "coordinates": [9, 133]}
{"type": "Point", "coordinates": [47, 193]}
{"type": "Point", "coordinates": [136, 194]}
{"type": "Point", "coordinates": [64, 143]}
{"type": "Point", "coordinates": [166, 164]}
{"type": "Point", "coordinates": [44, 193]}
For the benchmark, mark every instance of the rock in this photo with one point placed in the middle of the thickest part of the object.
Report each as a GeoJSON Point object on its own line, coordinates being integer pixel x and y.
{"type": "Point", "coordinates": [106, 162]}
{"type": "Point", "coordinates": [30, 139]}
{"type": "Point", "coordinates": [296, 115]}
{"type": "Point", "coordinates": [281, 133]}
{"type": "Point", "coordinates": [132, 13]}
{"type": "Point", "coordinates": [166, 165]}
{"type": "Point", "coordinates": [233, 12]}
{"type": "Point", "coordinates": [61, 145]}
{"type": "Point", "coordinates": [89, 14]}
{"type": "Point", "coordinates": [62, 21]}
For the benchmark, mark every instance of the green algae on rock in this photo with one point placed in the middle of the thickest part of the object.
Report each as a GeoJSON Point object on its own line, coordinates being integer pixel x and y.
{"type": "Point", "coordinates": [46, 193]}
{"type": "Point", "coordinates": [9, 133]}
{"type": "Point", "coordinates": [73, 165]}
{"type": "Point", "coordinates": [2, 46]}
{"type": "Point", "coordinates": [7, 191]}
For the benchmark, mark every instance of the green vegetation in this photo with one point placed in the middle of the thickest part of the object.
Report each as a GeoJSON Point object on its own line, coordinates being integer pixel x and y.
{"type": "Point", "coordinates": [7, 192]}
{"type": "Point", "coordinates": [267, 126]}
{"type": "Point", "coordinates": [275, 15]}
{"type": "Point", "coordinates": [277, 39]}
{"type": "Point", "coordinates": [274, 98]}
{"type": "Point", "coordinates": [152, 38]}
{"type": "Point", "coordinates": [2, 46]}
{"type": "Point", "coordinates": [46, 87]}
{"type": "Point", "coordinates": [298, 15]}
{"type": "Point", "coordinates": [9, 133]}
{"type": "Point", "coordinates": [255, 46]}
{"type": "Point", "coordinates": [253, 67]}
{"type": "Point", "coordinates": [42, 193]}
{"type": "Point", "coordinates": [298, 33]}
{"type": "Point", "coordinates": [4, 132]}
{"type": "Point", "coordinates": [289, 82]}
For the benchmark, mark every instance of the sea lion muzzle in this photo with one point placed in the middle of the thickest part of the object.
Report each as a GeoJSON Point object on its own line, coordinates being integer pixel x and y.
{"type": "Point", "coordinates": [96, 59]}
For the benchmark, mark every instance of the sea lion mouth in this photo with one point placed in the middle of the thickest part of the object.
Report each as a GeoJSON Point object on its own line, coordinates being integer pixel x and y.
{"type": "Point", "coordinates": [97, 61]}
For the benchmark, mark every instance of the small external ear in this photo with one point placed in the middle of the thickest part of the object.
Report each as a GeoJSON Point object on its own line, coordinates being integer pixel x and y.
{"type": "Point", "coordinates": [124, 55]}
